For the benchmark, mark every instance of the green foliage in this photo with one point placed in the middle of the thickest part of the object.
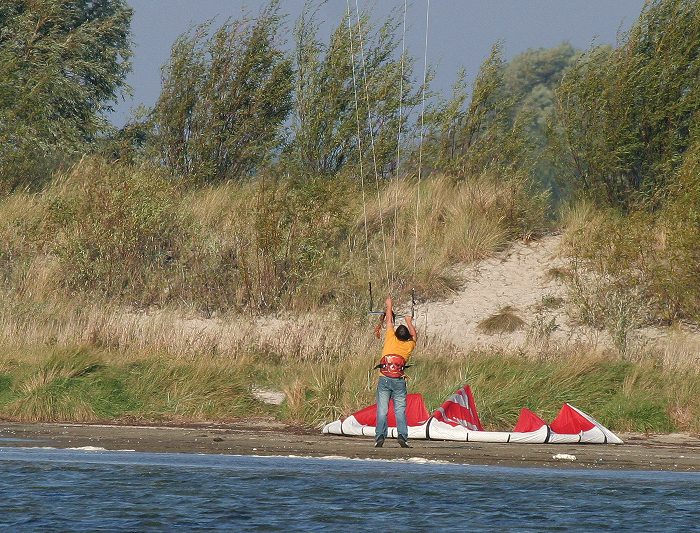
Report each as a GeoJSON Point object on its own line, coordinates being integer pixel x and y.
{"type": "Point", "coordinates": [479, 138]}
{"type": "Point", "coordinates": [487, 141]}
{"type": "Point", "coordinates": [115, 229]}
{"type": "Point", "coordinates": [534, 69]}
{"type": "Point", "coordinates": [62, 63]}
{"type": "Point", "coordinates": [224, 99]}
{"type": "Point", "coordinates": [165, 388]}
{"type": "Point", "coordinates": [503, 128]}
{"type": "Point", "coordinates": [531, 78]}
{"type": "Point", "coordinates": [325, 126]}
{"type": "Point", "coordinates": [628, 114]}
{"type": "Point", "coordinates": [130, 234]}
{"type": "Point", "coordinates": [130, 143]}
{"type": "Point", "coordinates": [642, 267]}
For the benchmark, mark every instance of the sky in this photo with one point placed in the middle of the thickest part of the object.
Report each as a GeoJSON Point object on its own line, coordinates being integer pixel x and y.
{"type": "Point", "coordinates": [460, 32]}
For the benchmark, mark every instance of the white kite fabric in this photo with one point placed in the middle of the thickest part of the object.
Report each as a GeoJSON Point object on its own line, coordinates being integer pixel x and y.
{"type": "Point", "coordinates": [457, 419]}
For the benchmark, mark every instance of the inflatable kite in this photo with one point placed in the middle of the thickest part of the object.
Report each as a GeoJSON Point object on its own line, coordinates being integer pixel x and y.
{"type": "Point", "coordinates": [457, 419]}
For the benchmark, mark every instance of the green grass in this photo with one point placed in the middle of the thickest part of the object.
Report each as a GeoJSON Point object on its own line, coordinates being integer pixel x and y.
{"type": "Point", "coordinates": [91, 385]}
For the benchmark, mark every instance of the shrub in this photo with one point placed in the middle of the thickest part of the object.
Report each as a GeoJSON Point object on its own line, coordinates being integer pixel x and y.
{"type": "Point", "coordinates": [642, 267]}
{"type": "Point", "coordinates": [115, 229]}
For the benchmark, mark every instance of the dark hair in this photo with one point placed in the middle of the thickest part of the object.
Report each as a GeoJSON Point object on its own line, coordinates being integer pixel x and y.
{"type": "Point", "coordinates": [403, 334]}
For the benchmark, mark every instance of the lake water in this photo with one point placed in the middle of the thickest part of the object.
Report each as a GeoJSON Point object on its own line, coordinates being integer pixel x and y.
{"type": "Point", "coordinates": [76, 490]}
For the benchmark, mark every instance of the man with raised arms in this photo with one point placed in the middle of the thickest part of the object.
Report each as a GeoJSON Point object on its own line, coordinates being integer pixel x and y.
{"type": "Point", "coordinates": [398, 345]}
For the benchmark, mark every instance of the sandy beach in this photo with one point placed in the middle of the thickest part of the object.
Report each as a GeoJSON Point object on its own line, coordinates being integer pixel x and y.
{"type": "Point", "coordinates": [674, 452]}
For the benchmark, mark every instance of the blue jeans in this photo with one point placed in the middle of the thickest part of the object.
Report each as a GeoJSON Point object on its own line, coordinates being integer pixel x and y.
{"type": "Point", "coordinates": [389, 388]}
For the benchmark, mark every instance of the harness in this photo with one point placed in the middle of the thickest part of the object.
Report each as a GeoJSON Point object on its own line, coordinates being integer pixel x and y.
{"type": "Point", "coordinates": [392, 366]}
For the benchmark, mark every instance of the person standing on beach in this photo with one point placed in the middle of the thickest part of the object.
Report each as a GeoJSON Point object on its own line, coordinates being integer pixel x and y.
{"type": "Point", "coordinates": [398, 345]}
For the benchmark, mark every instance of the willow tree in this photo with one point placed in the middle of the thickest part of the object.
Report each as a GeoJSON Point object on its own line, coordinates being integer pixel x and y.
{"type": "Point", "coordinates": [627, 115]}
{"type": "Point", "coordinates": [473, 134]}
{"type": "Point", "coordinates": [226, 94]}
{"type": "Point", "coordinates": [358, 66]}
{"type": "Point", "coordinates": [62, 64]}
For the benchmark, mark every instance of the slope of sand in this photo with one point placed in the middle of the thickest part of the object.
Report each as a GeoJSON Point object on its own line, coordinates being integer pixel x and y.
{"type": "Point", "coordinates": [527, 279]}
{"type": "Point", "coordinates": [519, 278]}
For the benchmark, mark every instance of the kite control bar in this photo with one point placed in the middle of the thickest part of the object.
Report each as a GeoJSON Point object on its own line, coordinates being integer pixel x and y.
{"type": "Point", "coordinates": [373, 311]}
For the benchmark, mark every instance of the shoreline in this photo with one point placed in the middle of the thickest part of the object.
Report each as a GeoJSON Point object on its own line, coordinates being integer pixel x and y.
{"type": "Point", "coordinates": [263, 437]}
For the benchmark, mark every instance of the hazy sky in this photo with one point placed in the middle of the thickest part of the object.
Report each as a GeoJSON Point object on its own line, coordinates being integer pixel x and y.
{"type": "Point", "coordinates": [460, 34]}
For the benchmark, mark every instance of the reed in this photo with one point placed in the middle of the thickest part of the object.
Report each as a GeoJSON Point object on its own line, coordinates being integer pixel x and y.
{"type": "Point", "coordinates": [94, 363]}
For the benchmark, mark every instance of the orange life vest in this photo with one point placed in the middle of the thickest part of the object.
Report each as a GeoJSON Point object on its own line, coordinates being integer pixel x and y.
{"type": "Point", "coordinates": [392, 366]}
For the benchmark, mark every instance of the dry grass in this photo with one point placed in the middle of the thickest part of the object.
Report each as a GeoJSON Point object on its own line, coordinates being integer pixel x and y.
{"type": "Point", "coordinates": [163, 366]}
{"type": "Point", "coordinates": [505, 321]}
{"type": "Point", "coordinates": [680, 351]}
{"type": "Point", "coordinates": [458, 222]}
{"type": "Point", "coordinates": [127, 235]}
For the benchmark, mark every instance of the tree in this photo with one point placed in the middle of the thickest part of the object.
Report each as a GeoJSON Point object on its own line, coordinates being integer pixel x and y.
{"type": "Point", "coordinates": [531, 78]}
{"type": "Point", "coordinates": [474, 136]}
{"type": "Point", "coordinates": [356, 67]}
{"type": "Point", "coordinates": [224, 99]}
{"type": "Point", "coordinates": [62, 64]}
{"type": "Point", "coordinates": [628, 115]}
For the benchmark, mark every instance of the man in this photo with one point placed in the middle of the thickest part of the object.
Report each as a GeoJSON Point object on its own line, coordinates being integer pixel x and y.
{"type": "Point", "coordinates": [398, 345]}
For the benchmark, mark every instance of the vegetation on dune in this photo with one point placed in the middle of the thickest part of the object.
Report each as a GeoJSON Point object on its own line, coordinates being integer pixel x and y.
{"type": "Point", "coordinates": [265, 181]}
{"type": "Point", "coordinates": [176, 376]}
{"type": "Point", "coordinates": [131, 235]}
{"type": "Point", "coordinates": [62, 64]}
{"type": "Point", "coordinates": [628, 119]}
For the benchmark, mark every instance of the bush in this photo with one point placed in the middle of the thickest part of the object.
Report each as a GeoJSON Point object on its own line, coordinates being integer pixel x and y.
{"type": "Point", "coordinates": [115, 229]}
{"type": "Point", "coordinates": [651, 261]}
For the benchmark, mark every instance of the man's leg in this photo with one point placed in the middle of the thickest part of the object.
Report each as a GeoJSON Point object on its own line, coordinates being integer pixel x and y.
{"type": "Point", "coordinates": [383, 395]}
{"type": "Point", "coordinates": [399, 394]}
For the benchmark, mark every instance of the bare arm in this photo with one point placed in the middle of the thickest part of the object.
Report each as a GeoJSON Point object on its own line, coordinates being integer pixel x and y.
{"type": "Point", "coordinates": [411, 328]}
{"type": "Point", "coordinates": [389, 311]}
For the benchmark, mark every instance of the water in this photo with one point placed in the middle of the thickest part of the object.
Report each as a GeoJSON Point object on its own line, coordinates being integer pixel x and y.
{"type": "Point", "coordinates": [74, 490]}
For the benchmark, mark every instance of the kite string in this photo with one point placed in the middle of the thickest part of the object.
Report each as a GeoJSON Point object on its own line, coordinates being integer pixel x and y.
{"type": "Point", "coordinates": [359, 143]}
{"type": "Point", "coordinates": [398, 147]}
{"type": "Point", "coordinates": [420, 145]}
{"type": "Point", "coordinates": [374, 154]}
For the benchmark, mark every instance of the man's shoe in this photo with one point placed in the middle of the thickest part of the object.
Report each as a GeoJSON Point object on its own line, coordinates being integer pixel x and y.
{"type": "Point", "coordinates": [379, 442]}
{"type": "Point", "coordinates": [403, 443]}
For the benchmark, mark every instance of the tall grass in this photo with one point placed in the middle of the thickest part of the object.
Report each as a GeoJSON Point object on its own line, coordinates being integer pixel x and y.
{"type": "Point", "coordinates": [94, 363]}
{"type": "Point", "coordinates": [131, 235]}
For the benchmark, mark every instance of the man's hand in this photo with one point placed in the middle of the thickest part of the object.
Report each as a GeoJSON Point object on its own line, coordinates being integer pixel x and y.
{"type": "Point", "coordinates": [389, 311]}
